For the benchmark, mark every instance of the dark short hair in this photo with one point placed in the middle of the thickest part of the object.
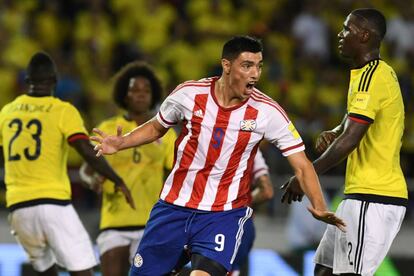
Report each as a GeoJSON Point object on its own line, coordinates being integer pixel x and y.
{"type": "Point", "coordinates": [239, 44]}
{"type": "Point", "coordinates": [375, 18]}
{"type": "Point", "coordinates": [133, 70]}
{"type": "Point", "coordinates": [41, 67]}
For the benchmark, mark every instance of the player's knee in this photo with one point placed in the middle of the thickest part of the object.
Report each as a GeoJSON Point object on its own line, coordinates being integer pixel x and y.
{"type": "Point", "coordinates": [199, 262]}
{"type": "Point", "coordinates": [321, 270]}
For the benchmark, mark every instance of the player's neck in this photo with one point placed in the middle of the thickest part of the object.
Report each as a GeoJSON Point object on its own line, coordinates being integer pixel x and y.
{"type": "Point", "coordinates": [225, 95]}
{"type": "Point", "coordinates": [363, 59]}
{"type": "Point", "coordinates": [36, 91]}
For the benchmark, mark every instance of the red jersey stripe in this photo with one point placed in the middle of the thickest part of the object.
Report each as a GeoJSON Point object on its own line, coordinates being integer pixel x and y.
{"type": "Point", "coordinates": [190, 149]}
{"type": "Point", "coordinates": [165, 121]}
{"type": "Point", "coordinates": [235, 157]}
{"type": "Point", "coordinates": [292, 147]}
{"type": "Point", "coordinates": [245, 182]}
{"type": "Point", "coordinates": [78, 136]}
{"type": "Point", "coordinates": [358, 120]}
{"type": "Point", "coordinates": [213, 153]}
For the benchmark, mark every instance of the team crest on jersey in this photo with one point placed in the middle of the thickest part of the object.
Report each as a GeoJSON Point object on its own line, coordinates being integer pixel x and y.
{"type": "Point", "coordinates": [138, 261]}
{"type": "Point", "coordinates": [248, 125]}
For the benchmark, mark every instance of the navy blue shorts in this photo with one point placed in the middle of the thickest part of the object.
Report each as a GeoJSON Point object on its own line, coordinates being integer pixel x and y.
{"type": "Point", "coordinates": [171, 229]}
{"type": "Point", "coordinates": [246, 245]}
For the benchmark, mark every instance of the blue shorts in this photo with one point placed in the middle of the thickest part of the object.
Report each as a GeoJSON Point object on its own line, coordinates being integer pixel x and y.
{"type": "Point", "coordinates": [246, 245]}
{"type": "Point", "coordinates": [170, 229]}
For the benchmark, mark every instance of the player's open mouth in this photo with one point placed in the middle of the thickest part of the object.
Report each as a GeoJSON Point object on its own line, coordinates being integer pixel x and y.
{"type": "Point", "coordinates": [250, 85]}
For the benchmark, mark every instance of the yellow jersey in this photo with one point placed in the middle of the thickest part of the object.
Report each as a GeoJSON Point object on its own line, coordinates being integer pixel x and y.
{"type": "Point", "coordinates": [373, 168]}
{"type": "Point", "coordinates": [142, 169]}
{"type": "Point", "coordinates": [34, 133]}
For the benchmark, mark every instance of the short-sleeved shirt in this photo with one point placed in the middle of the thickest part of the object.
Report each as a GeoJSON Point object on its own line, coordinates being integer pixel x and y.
{"type": "Point", "coordinates": [142, 168]}
{"type": "Point", "coordinates": [34, 133]}
{"type": "Point", "coordinates": [217, 145]}
{"type": "Point", "coordinates": [374, 98]}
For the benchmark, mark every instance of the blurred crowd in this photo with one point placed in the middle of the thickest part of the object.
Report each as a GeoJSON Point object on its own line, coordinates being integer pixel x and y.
{"type": "Point", "coordinates": [182, 39]}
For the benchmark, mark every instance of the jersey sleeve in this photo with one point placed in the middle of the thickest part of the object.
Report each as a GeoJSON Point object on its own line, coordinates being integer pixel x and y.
{"type": "Point", "coordinates": [365, 105]}
{"type": "Point", "coordinates": [260, 167]}
{"type": "Point", "coordinates": [282, 133]}
{"type": "Point", "coordinates": [71, 122]}
{"type": "Point", "coordinates": [169, 139]}
{"type": "Point", "coordinates": [170, 111]}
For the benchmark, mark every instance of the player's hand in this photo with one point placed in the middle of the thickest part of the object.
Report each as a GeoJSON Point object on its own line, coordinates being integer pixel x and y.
{"type": "Point", "coordinates": [292, 191]}
{"type": "Point", "coordinates": [324, 140]}
{"type": "Point", "coordinates": [107, 144]}
{"type": "Point", "coordinates": [124, 189]}
{"type": "Point", "coordinates": [328, 217]}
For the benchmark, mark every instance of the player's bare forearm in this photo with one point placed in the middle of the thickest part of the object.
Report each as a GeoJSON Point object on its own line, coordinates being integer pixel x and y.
{"type": "Point", "coordinates": [341, 147]}
{"type": "Point", "coordinates": [144, 134]}
{"type": "Point", "coordinates": [98, 164]}
{"type": "Point", "coordinates": [308, 179]}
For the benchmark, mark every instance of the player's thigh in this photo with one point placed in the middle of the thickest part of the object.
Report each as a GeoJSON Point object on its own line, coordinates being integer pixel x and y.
{"type": "Point", "coordinates": [218, 235]}
{"type": "Point", "coordinates": [114, 262]}
{"type": "Point", "coordinates": [110, 239]}
{"type": "Point", "coordinates": [325, 252]}
{"type": "Point", "coordinates": [371, 228]}
{"type": "Point", "coordinates": [68, 238]}
{"type": "Point", "coordinates": [245, 246]}
{"type": "Point", "coordinates": [163, 241]}
{"type": "Point", "coordinates": [28, 231]}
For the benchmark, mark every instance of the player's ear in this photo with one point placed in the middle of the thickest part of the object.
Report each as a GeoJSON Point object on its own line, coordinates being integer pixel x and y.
{"type": "Point", "coordinates": [226, 64]}
{"type": "Point", "coordinates": [364, 35]}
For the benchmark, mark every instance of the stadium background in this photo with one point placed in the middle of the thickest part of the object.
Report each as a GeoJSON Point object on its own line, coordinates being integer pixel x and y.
{"type": "Point", "coordinates": [182, 40]}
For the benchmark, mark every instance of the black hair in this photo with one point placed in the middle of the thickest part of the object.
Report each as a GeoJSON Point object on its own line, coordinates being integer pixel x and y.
{"type": "Point", "coordinates": [132, 70]}
{"type": "Point", "coordinates": [238, 44]}
{"type": "Point", "coordinates": [375, 18]}
{"type": "Point", "coordinates": [41, 68]}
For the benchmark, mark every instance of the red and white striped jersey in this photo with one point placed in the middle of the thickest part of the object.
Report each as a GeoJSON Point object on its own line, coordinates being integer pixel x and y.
{"type": "Point", "coordinates": [260, 167]}
{"type": "Point", "coordinates": [215, 151]}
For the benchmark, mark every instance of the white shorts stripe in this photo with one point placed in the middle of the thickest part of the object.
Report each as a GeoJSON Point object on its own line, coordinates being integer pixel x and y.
{"type": "Point", "coordinates": [240, 231]}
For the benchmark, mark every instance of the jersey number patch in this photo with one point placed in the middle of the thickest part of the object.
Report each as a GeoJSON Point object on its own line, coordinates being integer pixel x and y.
{"type": "Point", "coordinates": [35, 125]}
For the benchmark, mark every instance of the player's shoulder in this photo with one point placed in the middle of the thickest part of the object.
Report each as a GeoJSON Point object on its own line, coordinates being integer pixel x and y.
{"type": "Point", "coordinates": [194, 85]}
{"type": "Point", "coordinates": [264, 103]}
{"type": "Point", "coordinates": [386, 71]}
{"type": "Point", "coordinates": [377, 70]}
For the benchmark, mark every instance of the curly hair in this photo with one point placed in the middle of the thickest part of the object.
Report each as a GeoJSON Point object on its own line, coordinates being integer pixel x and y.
{"type": "Point", "coordinates": [133, 70]}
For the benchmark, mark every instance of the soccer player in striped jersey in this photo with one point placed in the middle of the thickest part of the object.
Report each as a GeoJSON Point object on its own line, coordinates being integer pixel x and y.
{"type": "Point", "coordinates": [203, 204]}
{"type": "Point", "coordinates": [137, 90]}
{"type": "Point", "coordinates": [375, 196]}
{"type": "Point", "coordinates": [36, 130]}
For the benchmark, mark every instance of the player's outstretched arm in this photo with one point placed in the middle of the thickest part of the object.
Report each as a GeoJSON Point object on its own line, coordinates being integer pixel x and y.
{"type": "Point", "coordinates": [309, 183]}
{"type": "Point", "coordinates": [99, 164]}
{"type": "Point", "coordinates": [144, 134]}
